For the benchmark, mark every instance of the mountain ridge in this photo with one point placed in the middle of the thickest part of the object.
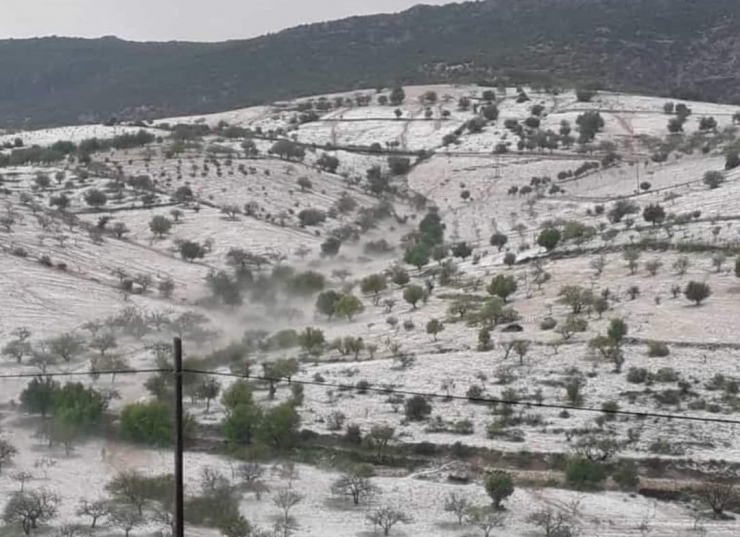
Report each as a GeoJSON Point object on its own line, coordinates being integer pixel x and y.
{"type": "Point", "coordinates": [684, 48]}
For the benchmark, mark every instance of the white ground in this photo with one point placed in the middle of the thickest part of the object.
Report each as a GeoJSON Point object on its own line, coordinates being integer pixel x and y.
{"type": "Point", "coordinates": [49, 301]}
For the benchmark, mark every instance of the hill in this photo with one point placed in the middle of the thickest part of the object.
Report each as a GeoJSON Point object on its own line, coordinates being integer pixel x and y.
{"type": "Point", "coordinates": [688, 48]}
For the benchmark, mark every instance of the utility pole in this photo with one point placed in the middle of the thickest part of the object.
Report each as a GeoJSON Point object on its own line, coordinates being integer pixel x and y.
{"type": "Point", "coordinates": [179, 497]}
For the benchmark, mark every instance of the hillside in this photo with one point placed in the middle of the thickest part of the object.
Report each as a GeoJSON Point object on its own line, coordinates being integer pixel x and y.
{"type": "Point", "coordinates": [508, 335]}
{"type": "Point", "coordinates": [648, 46]}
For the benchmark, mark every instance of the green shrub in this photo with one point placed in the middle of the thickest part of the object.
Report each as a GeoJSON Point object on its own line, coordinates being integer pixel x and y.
{"type": "Point", "coordinates": [417, 408]}
{"type": "Point", "coordinates": [548, 323]}
{"type": "Point", "coordinates": [147, 423]}
{"type": "Point", "coordinates": [625, 475]}
{"type": "Point", "coordinates": [637, 375]}
{"type": "Point", "coordinates": [658, 349]}
{"type": "Point", "coordinates": [584, 474]}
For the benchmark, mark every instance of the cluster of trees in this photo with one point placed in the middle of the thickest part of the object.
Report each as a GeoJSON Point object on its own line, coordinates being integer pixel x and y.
{"type": "Point", "coordinates": [70, 411]}
{"type": "Point", "coordinates": [248, 424]}
{"type": "Point", "coordinates": [61, 149]}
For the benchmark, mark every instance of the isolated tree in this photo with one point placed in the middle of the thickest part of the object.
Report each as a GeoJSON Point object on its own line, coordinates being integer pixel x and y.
{"type": "Point", "coordinates": [499, 486]}
{"type": "Point", "coordinates": [231, 211]}
{"type": "Point", "coordinates": [509, 259]}
{"type": "Point", "coordinates": [499, 240]}
{"type": "Point", "coordinates": [713, 179]}
{"type": "Point", "coordinates": [717, 493]}
{"type": "Point", "coordinates": [610, 345]}
{"type": "Point", "coordinates": [486, 519]}
{"type": "Point", "coordinates": [126, 518]}
{"type": "Point", "coordinates": [129, 488]}
{"type": "Point", "coordinates": [327, 163]}
{"type": "Point", "coordinates": [718, 260]}
{"type": "Point", "coordinates": [707, 123]}
{"type": "Point", "coordinates": [413, 294]}
{"type": "Point", "coordinates": [417, 256]}
{"type": "Point", "coordinates": [120, 229]}
{"type": "Point", "coordinates": [653, 266]}
{"type": "Point", "coordinates": [326, 302]}
{"type": "Point", "coordinates": [697, 292]}
{"type": "Point", "coordinates": [458, 505]}
{"type": "Point", "coordinates": [632, 256]}
{"type": "Point", "coordinates": [208, 389]}
{"type": "Point", "coordinates": [160, 225]}
{"type": "Point", "coordinates": [61, 201]}
{"type": "Point", "coordinates": [654, 214]}
{"type": "Point", "coordinates": [348, 306]}
{"type": "Point", "coordinates": [191, 250]}
{"type": "Point", "coordinates": [549, 238]}
{"type": "Point", "coordinates": [374, 284]}
{"type": "Point", "coordinates": [737, 267]}
{"type": "Point", "coordinates": [312, 340]}
{"type": "Point", "coordinates": [356, 483]}
{"type": "Point", "coordinates": [589, 124]}
{"type": "Point", "coordinates": [30, 508]}
{"type": "Point", "coordinates": [184, 194]}
{"type": "Point", "coordinates": [681, 265]}
{"type": "Point", "coordinates": [286, 499]}
{"type": "Point", "coordinates": [675, 125]}
{"type": "Point", "coordinates": [387, 517]}
{"type": "Point", "coordinates": [502, 286]}
{"type": "Point", "coordinates": [461, 250]}
{"type": "Point", "coordinates": [17, 349]}
{"type": "Point", "coordinates": [304, 183]}
{"type": "Point", "coordinates": [732, 159]}
{"type": "Point", "coordinates": [434, 327]}
{"type": "Point", "coordinates": [94, 509]}
{"type": "Point", "coordinates": [66, 346]}
{"type": "Point", "coordinates": [7, 452]}
{"type": "Point", "coordinates": [330, 247]}
{"type": "Point", "coordinates": [103, 342]}
{"type": "Point", "coordinates": [397, 96]}
{"type": "Point", "coordinates": [520, 348]}
{"type": "Point", "coordinates": [95, 198]}
{"type": "Point", "coordinates": [417, 408]}
{"type": "Point", "coordinates": [553, 523]}
{"type": "Point", "coordinates": [379, 437]}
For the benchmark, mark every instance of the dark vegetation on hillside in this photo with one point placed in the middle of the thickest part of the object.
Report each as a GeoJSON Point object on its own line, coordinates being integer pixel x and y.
{"type": "Point", "coordinates": [683, 48]}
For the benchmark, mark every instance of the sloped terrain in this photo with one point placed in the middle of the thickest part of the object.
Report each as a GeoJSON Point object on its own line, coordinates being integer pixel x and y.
{"type": "Point", "coordinates": [261, 222]}
{"type": "Point", "coordinates": [689, 47]}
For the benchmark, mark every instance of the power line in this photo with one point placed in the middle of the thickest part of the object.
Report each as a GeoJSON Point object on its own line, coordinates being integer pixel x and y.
{"type": "Point", "coordinates": [388, 391]}
{"type": "Point", "coordinates": [84, 373]}
{"type": "Point", "coordinates": [486, 400]}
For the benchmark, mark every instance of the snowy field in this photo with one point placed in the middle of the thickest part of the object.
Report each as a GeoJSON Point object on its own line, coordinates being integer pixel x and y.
{"type": "Point", "coordinates": [63, 269]}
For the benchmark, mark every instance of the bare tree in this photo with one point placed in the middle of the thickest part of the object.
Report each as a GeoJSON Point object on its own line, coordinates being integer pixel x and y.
{"type": "Point", "coordinates": [356, 483]}
{"type": "Point", "coordinates": [286, 526]}
{"type": "Point", "coordinates": [458, 505]}
{"type": "Point", "coordinates": [7, 452]}
{"type": "Point", "coordinates": [126, 518]}
{"type": "Point", "coordinates": [379, 437]}
{"type": "Point", "coordinates": [485, 519]}
{"type": "Point", "coordinates": [286, 499]}
{"type": "Point", "coordinates": [553, 523]}
{"type": "Point", "coordinates": [95, 510]}
{"type": "Point", "coordinates": [251, 473]}
{"type": "Point", "coordinates": [22, 477]}
{"type": "Point", "coordinates": [127, 486]}
{"type": "Point", "coordinates": [717, 493]}
{"type": "Point", "coordinates": [387, 517]}
{"type": "Point", "coordinates": [31, 508]}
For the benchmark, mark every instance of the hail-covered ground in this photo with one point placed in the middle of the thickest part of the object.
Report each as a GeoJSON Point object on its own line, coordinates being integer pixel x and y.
{"type": "Point", "coordinates": [92, 268]}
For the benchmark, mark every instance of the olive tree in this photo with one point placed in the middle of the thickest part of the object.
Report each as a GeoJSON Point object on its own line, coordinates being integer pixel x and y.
{"type": "Point", "coordinates": [387, 517]}
{"type": "Point", "coordinates": [30, 508]}
{"type": "Point", "coordinates": [356, 483]}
